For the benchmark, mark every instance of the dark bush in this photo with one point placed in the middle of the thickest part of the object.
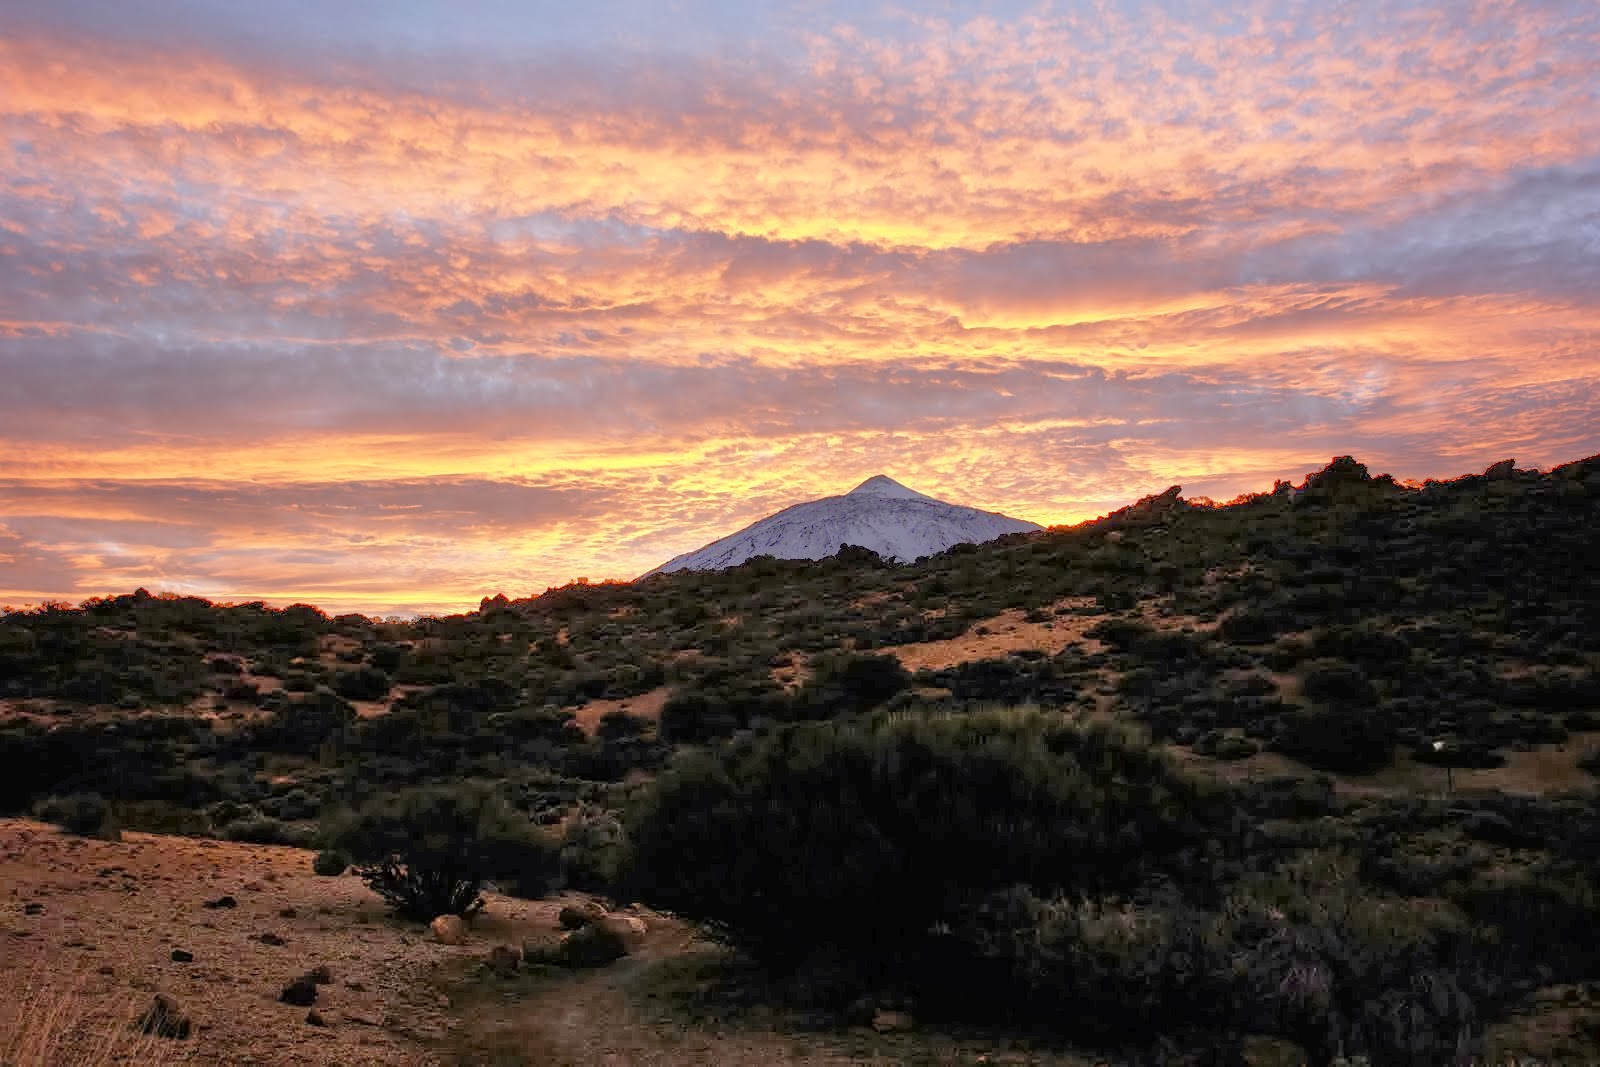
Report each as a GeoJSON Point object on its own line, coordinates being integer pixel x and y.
{"type": "Point", "coordinates": [847, 683]}
{"type": "Point", "coordinates": [363, 683]}
{"type": "Point", "coordinates": [263, 830]}
{"type": "Point", "coordinates": [330, 863]}
{"type": "Point", "coordinates": [1338, 683]}
{"type": "Point", "coordinates": [427, 851]}
{"type": "Point", "coordinates": [85, 814]}
{"type": "Point", "coordinates": [1330, 739]}
{"type": "Point", "coordinates": [865, 833]}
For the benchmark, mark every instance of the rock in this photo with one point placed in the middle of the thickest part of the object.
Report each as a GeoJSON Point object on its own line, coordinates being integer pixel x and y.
{"type": "Point", "coordinates": [302, 992]}
{"type": "Point", "coordinates": [1502, 470]}
{"type": "Point", "coordinates": [180, 955]}
{"type": "Point", "coordinates": [269, 939]}
{"type": "Point", "coordinates": [628, 927]}
{"type": "Point", "coordinates": [287, 913]}
{"type": "Point", "coordinates": [163, 1019]}
{"type": "Point", "coordinates": [314, 1018]}
{"type": "Point", "coordinates": [321, 974]}
{"type": "Point", "coordinates": [221, 902]}
{"type": "Point", "coordinates": [33, 909]}
{"type": "Point", "coordinates": [503, 960]}
{"type": "Point", "coordinates": [449, 929]}
{"type": "Point", "coordinates": [542, 950]}
{"type": "Point", "coordinates": [594, 945]}
{"type": "Point", "coordinates": [577, 916]}
{"type": "Point", "coordinates": [892, 1021]}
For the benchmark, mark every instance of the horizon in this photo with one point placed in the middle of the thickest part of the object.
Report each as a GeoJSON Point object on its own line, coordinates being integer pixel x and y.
{"type": "Point", "coordinates": [401, 612]}
{"type": "Point", "coordinates": [389, 308]}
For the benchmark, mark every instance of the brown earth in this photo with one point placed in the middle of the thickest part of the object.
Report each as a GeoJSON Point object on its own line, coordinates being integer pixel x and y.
{"type": "Point", "coordinates": [1004, 633]}
{"type": "Point", "coordinates": [645, 706]}
{"type": "Point", "coordinates": [88, 929]}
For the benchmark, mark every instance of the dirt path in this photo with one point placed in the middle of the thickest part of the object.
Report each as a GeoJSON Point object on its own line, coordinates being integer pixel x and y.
{"type": "Point", "coordinates": [632, 1013]}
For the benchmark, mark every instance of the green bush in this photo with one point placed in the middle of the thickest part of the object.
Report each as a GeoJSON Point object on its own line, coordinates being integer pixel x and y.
{"type": "Point", "coordinates": [265, 830]}
{"type": "Point", "coordinates": [427, 851]}
{"type": "Point", "coordinates": [1348, 741]}
{"type": "Point", "coordinates": [363, 683]}
{"type": "Point", "coordinates": [867, 833]}
{"type": "Point", "coordinates": [330, 863]}
{"type": "Point", "coordinates": [594, 853]}
{"type": "Point", "coordinates": [84, 814]}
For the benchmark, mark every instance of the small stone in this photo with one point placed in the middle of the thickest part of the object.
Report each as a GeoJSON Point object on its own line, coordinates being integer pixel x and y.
{"type": "Point", "coordinates": [503, 960]}
{"type": "Point", "coordinates": [594, 945]}
{"type": "Point", "coordinates": [163, 1019]}
{"type": "Point", "coordinates": [287, 913]}
{"type": "Point", "coordinates": [107, 969]}
{"type": "Point", "coordinates": [449, 929]}
{"type": "Point", "coordinates": [321, 974]}
{"type": "Point", "coordinates": [221, 902]}
{"type": "Point", "coordinates": [33, 909]}
{"type": "Point", "coordinates": [892, 1021]}
{"type": "Point", "coordinates": [314, 1018]}
{"type": "Point", "coordinates": [302, 992]}
{"type": "Point", "coordinates": [269, 939]}
{"type": "Point", "coordinates": [182, 955]}
{"type": "Point", "coordinates": [358, 987]}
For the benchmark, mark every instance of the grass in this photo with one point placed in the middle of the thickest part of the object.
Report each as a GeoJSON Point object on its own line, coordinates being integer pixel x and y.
{"type": "Point", "coordinates": [60, 1020]}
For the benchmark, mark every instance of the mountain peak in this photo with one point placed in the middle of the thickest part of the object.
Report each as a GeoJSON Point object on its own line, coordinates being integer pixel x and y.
{"type": "Point", "coordinates": [883, 485]}
{"type": "Point", "coordinates": [880, 514]}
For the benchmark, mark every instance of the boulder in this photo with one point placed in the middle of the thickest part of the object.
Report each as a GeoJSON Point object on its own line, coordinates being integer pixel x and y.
{"type": "Point", "coordinates": [449, 929]}
{"type": "Point", "coordinates": [594, 945]}
{"type": "Point", "coordinates": [302, 992]}
{"type": "Point", "coordinates": [576, 916]}
{"type": "Point", "coordinates": [630, 928]}
{"type": "Point", "coordinates": [503, 960]}
{"type": "Point", "coordinates": [886, 1022]}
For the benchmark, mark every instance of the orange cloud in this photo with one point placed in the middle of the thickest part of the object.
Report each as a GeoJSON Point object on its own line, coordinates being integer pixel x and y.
{"type": "Point", "coordinates": [396, 337]}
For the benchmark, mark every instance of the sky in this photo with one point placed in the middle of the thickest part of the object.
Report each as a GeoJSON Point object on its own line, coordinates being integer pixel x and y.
{"type": "Point", "coordinates": [389, 305]}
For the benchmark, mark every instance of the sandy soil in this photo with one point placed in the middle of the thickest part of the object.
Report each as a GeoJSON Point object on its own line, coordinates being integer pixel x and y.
{"type": "Point", "coordinates": [103, 919]}
{"type": "Point", "coordinates": [88, 929]}
{"type": "Point", "coordinates": [1007, 632]}
{"type": "Point", "coordinates": [645, 705]}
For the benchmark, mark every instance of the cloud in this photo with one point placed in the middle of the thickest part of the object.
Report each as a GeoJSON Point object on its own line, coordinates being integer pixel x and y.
{"type": "Point", "coordinates": [397, 313]}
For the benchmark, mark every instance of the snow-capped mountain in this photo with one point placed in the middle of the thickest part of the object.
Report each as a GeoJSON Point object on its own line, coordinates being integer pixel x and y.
{"type": "Point", "coordinates": [880, 514]}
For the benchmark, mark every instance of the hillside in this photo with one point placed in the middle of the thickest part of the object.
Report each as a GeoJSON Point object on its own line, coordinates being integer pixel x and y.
{"type": "Point", "coordinates": [1341, 654]}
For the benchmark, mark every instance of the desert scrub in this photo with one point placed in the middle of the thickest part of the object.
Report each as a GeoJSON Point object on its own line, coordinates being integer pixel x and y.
{"type": "Point", "coordinates": [427, 851]}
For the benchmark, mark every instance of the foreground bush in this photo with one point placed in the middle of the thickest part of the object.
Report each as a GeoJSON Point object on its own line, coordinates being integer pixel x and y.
{"type": "Point", "coordinates": [428, 851]}
{"type": "Point", "coordinates": [84, 814]}
{"type": "Point", "coordinates": [870, 834]}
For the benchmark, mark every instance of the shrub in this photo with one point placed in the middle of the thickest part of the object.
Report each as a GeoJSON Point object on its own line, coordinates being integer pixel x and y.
{"type": "Point", "coordinates": [264, 830]}
{"type": "Point", "coordinates": [427, 851]}
{"type": "Point", "coordinates": [1344, 741]}
{"type": "Point", "coordinates": [594, 852]}
{"type": "Point", "coordinates": [849, 682]}
{"type": "Point", "coordinates": [330, 863]}
{"type": "Point", "coordinates": [84, 814]}
{"type": "Point", "coordinates": [363, 683]}
{"type": "Point", "coordinates": [865, 833]}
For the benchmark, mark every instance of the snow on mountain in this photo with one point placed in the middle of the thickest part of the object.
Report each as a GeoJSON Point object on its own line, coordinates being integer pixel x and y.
{"type": "Point", "coordinates": [880, 514]}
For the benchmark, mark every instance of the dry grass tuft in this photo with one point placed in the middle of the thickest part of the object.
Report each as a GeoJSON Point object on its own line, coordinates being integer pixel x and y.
{"type": "Point", "coordinates": [62, 1020]}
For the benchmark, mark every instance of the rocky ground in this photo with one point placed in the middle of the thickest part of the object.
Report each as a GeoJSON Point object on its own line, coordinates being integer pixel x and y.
{"type": "Point", "coordinates": [220, 928]}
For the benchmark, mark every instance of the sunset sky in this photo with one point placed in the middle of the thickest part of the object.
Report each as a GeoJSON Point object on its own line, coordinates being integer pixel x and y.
{"type": "Point", "coordinates": [387, 305]}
